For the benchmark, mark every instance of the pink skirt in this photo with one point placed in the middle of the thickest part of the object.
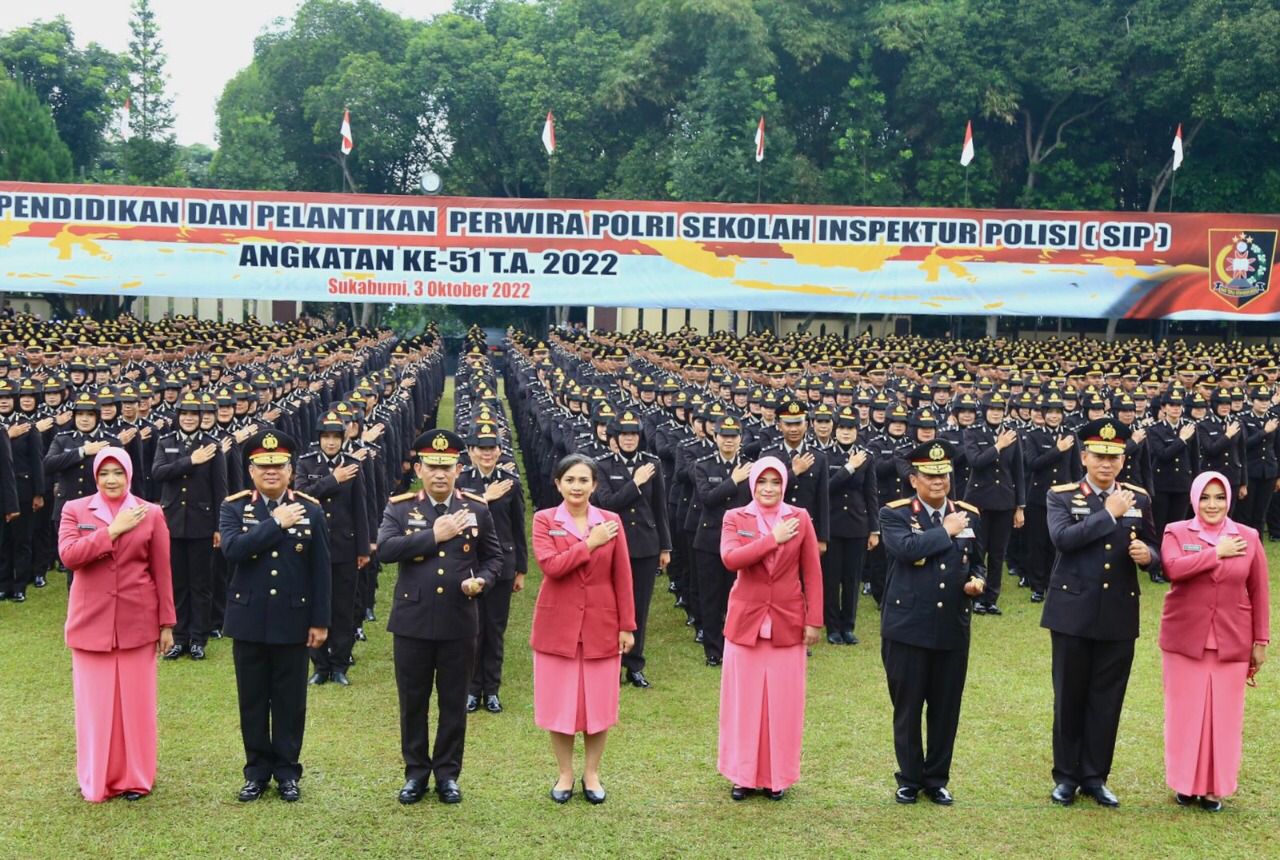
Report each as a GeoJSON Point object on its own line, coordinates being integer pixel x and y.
{"type": "Point", "coordinates": [573, 694]}
{"type": "Point", "coordinates": [1203, 723]}
{"type": "Point", "coordinates": [115, 696]}
{"type": "Point", "coordinates": [761, 714]}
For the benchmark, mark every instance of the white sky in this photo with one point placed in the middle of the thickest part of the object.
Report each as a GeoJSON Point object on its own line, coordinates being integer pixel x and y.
{"type": "Point", "coordinates": [205, 43]}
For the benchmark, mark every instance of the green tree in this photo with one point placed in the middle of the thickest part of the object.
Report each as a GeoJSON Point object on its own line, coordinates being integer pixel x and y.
{"type": "Point", "coordinates": [251, 151]}
{"type": "Point", "coordinates": [30, 149]}
{"type": "Point", "coordinates": [82, 87]}
{"type": "Point", "coordinates": [150, 154]}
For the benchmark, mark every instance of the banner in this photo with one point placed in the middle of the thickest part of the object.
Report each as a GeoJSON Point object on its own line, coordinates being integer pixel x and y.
{"type": "Point", "coordinates": [825, 259]}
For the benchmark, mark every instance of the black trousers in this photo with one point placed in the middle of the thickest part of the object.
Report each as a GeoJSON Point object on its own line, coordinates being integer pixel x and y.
{"type": "Point", "coordinates": [192, 563]}
{"type": "Point", "coordinates": [1253, 510]}
{"type": "Point", "coordinates": [218, 607]}
{"type": "Point", "coordinates": [1089, 681]}
{"type": "Point", "coordinates": [995, 529]}
{"type": "Point", "coordinates": [368, 589]}
{"type": "Point", "coordinates": [842, 582]}
{"type": "Point", "coordinates": [42, 543]}
{"type": "Point", "coordinates": [1170, 508]}
{"type": "Point", "coordinates": [17, 557]}
{"type": "Point", "coordinates": [876, 570]}
{"type": "Point", "coordinates": [644, 571]}
{"type": "Point", "coordinates": [678, 569]}
{"type": "Point", "coordinates": [920, 677]}
{"type": "Point", "coordinates": [1273, 516]}
{"type": "Point", "coordinates": [495, 611]}
{"type": "Point", "coordinates": [335, 654]}
{"type": "Point", "coordinates": [420, 665]}
{"type": "Point", "coordinates": [271, 685]}
{"type": "Point", "coordinates": [714, 582]}
{"type": "Point", "coordinates": [1039, 548]}
{"type": "Point", "coordinates": [692, 589]}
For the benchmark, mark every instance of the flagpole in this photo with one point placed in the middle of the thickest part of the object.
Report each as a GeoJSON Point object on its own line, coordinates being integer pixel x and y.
{"type": "Point", "coordinates": [1173, 179]}
{"type": "Point", "coordinates": [759, 181]}
{"type": "Point", "coordinates": [966, 186]}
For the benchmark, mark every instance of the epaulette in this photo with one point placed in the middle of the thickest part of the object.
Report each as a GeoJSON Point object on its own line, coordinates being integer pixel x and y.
{"type": "Point", "coordinates": [312, 499]}
{"type": "Point", "coordinates": [968, 507]}
{"type": "Point", "coordinates": [706, 457]}
{"type": "Point", "coordinates": [473, 497]}
{"type": "Point", "coordinates": [1062, 488]}
{"type": "Point", "coordinates": [899, 503]}
{"type": "Point", "coordinates": [237, 496]}
{"type": "Point", "coordinates": [404, 497]}
{"type": "Point", "coordinates": [1135, 488]}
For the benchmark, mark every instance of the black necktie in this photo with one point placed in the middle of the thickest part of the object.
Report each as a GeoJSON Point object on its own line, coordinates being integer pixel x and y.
{"type": "Point", "coordinates": [442, 509]}
{"type": "Point", "coordinates": [937, 518]}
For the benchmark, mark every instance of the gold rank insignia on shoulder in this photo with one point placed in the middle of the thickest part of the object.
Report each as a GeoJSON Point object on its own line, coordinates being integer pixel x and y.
{"type": "Point", "coordinates": [1062, 488]}
{"type": "Point", "coordinates": [237, 496]}
{"type": "Point", "coordinates": [899, 503]}
{"type": "Point", "coordinates": [403, 497]}
{"type": "Point", "coordinates": [473, 497]}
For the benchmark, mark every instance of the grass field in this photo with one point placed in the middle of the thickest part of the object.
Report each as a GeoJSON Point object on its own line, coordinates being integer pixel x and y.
{"type": "Point", "coordinates": [665, 797]}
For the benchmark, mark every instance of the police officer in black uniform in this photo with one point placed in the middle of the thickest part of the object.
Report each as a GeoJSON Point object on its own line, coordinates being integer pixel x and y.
{"type": "Point", "coordinates": [277, 544]}
{"type": "Point", "coordinates": [631, 484]}
{"type": "Point", "coordinates": [448, 550]}
{"type": "Point", "coordinates": [499, 484]}
{"type": "Point", "coordinates": [936, 558]}
{"type": "Point", "coordinates": [1103, 532]}
{"type": "Point", "coordinates": [191, 474]}
{"type": "Point", "coordinates": [855, 527]}
{"type": "Point", "coordinates": [22, 438]}
{"type": "Point", "coordinates": [69, 460]}
{"type": "Point", "coordinates": [1051, 458]}
{"type": "Point", "coordinates": [337, 480]}
{"type": "Point", "coordinates": [997, 488]}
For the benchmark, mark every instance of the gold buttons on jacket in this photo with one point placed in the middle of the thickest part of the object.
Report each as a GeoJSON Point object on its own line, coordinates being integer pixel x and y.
{"type": "Point", "coordinates": [275, 573]}
{"type": "Point", "coordinates": [440, 590]}
{"type": "Point", "coordinates": [442, 553]}
{"type": "Point", "coordinates": [275, 554]}
{"type": "Point", "coordinates": [272, 592]}
{"type": "Point", "coordinates": [939, 604]}
{"type": "Point", "coordinates": [1106, 566]}
{"type": "Point", "coordinates": [1108, 546]}
{"type": "Point", "coordinates": [1106, 585]}
{"type": "Point", "coordinates": [942, 585]}
{"type": "Point", "coordinates": [942, 567]}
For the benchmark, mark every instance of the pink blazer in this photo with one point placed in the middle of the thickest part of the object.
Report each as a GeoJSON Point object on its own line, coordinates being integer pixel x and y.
{"type": "Point", "coordinates": [1231, 592]}
{"type": "Point", "coordinates": [122, 592]}
{"type": "Point", "coordinates": [785, 581]}
{"type": "Point", "coordinates": [586, 595]}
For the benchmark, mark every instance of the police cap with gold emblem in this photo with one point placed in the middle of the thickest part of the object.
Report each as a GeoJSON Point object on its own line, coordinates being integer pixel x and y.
{"type": "Point", "coordinates": [1104, 436]}
{"type": "Point", "coordinates": [483, 435]}
{"type": "Point", "coordinates": [438, 448]}
{"type": "Point", "coordinates": [933, 458]}
{"type": "Point", "coordinates": [270, 447]}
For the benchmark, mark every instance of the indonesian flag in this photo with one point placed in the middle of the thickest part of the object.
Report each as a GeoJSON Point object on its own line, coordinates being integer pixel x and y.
{"type": "Point", "coordinates": [966, 153]}
{"type": "Point", "coordinates": [549, 134]}
{"type": "Point", "coordinates": [125, 131]}
{"type": "Point", "coordinates": [347, 142]}
{"type": "Point", "coordinates": [1177, 148]}
{"type": "Point", "coordinates": [760, 140]}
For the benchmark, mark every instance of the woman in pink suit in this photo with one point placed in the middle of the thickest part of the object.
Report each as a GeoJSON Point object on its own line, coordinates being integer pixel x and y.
{"type": "Point", "coordinates": [775, 612]}
{"type": "Point", "coordinates": [583, 623]}
{"type": "Point", "coordinates": [119, 619]}
{"type": "Point", "coordinates": [1213, 633]}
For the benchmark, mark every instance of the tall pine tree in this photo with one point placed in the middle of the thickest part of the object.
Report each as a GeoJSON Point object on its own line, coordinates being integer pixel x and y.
{"type": "Point", "coordinates": [151, 152]}
{"type": "Point", "coordinates": [30, 149]}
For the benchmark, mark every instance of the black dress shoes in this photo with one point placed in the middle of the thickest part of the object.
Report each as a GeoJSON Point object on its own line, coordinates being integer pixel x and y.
{"type": "Point", "coordinates": [215, 633]}
{"type": "Point", "coordinates": [906, 794]}
{"type": "Point", "coordinates": [289, 791]}
{"type": "Point", "coordinates": [175, 652]}
{"type": "Point", "coordinates": [992, 609]}
{"type": "Point", "coordinates": [369, 616]}
{"type": "Point", "coordinates": [1186, 799]}
{"type": "Point", "coordinates": [18, 597]}
{"type": "Point", "coordinates": [252, 790]}
{"type": "Point", "coordinates": [1037, 597]}
{"type": "Point", "coordinates": [1063, 794]}
{"type": "Point", "coordinates": [1101, 794]}
{"type": "Point", "coordinates": [412, 791]}
{"type": "Point", "coordinates": [197, 652]}
{"type": "Point", "coordinates": [713, 661]}
{"type": "Point", "coordinates": [739, 792]}
{"type": "Point", "coordinates": [360, 637]}
{"type": "Point", "coordinates": [561, 795]}
{"type": "Point", "coordinates": [340, 678]}
{"type": "Point", "coordinates": [41, 582]}
{"type": "Point", "coordinates": [979, 608]}
{"type": "Point", "coordinates": [473, 704]}
{"type": "Point", "coordinates": [777, 795]}
{"type": "Point", "coordinates": [835, 639]}
{"type": "Point", "coordinates": [849, 638]}
{"type": "Point", "coordinates": [493, 704]}
{"type": "Point", "coordinates": [595, 798]}
{"type": "Point", "coordinates": [940, 796]}
{"type": "Point", "coordinates": [318, 678]}
{"type": "Point", "coordinates": [638, 679]}
{"type": "Point", "coordinates": [680, 603]}
{"type": "Point", "coordinates": [699, 636]}
{"type": "Point", "coordinates": [1158, 579]}
{"type": "Point", "coordinates": [448, 791]}
{"type": "Point", "coordinates": [1210, 805]}
{"type": "Point", "coordinates": [133, 796]}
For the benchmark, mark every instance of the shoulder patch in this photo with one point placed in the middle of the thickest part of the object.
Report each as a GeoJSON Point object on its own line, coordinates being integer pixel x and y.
{"type": "Point", "coordinates": [1062, 488]}
{"type": "Point", "coordinates": [311, 499]}
{"type": "Point", "coordinates": [1134, 487]}
{"type": "Point", "coordinates": [237, 496]}
{"type": "Point", "coordinates": [899, 503]}
{"type": "Point", "coordinates": [404, 497]}
{"type": "Point", "coordinates": [968, 507]}
{"type": "Point", "coordinates": [469, 495]}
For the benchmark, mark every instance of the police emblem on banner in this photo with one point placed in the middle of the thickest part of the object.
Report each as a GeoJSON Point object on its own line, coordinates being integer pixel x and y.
{"type": "Point", "coordinates": [1240, 264]}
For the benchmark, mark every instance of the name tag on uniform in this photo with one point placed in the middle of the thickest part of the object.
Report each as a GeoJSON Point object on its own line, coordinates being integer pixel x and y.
{"type": "Point", "coordinates": [1080, 510]}
{"type": "Point", "coordinates": [172, 450]}
{"type": "Point", "coordinates": [714, 480]}
{"type": "Point", "coordinates": [422, 523]}
{"type": "Point", "coordinates": [89, 527]}
{"type": "Point", "coordinates": [1133, 512]}
{"type": "Point", "coordinates": [470, 522]}
{"type": "Point", "coordinates": [1191, 547]}
{"type": "Point", "coordinates": [305, 521]}
{"type": "Point", "coordinates": [965, 533]}
{"type": "Point", "coordinates": [557, 532]}
{"type": "Point", "coordinates": [741, 533]}
{"type": "Point", "coordinates": [617, 477]}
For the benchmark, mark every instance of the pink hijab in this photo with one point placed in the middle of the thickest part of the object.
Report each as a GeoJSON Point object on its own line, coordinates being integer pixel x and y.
{"type": "Point", "coordinates": [767, 517]}
{"type": "Point", "coordinates": [1227, 526]}
{"type": "Point", "coordinates": [108, 508]}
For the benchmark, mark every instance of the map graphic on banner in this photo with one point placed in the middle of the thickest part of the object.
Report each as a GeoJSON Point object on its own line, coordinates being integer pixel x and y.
{"type": "Point", "coordinates": [319, 247]}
